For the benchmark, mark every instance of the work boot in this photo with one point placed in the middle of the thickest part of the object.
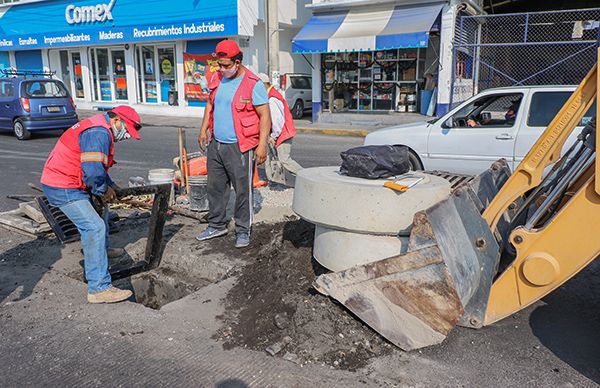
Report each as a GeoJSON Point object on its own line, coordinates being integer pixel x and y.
{"type": "Point", "coordinates": [110, 295]}
{"type": "Point", "coordinates": [211, 232]}
{"type": "Point", "coordinates": [113, 253]}
{"type": "Point", "coordinates": [242, 240]}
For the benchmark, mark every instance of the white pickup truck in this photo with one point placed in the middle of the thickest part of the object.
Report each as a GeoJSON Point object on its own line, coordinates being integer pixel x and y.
{"type": "Point", "coordinates": [469, 138]}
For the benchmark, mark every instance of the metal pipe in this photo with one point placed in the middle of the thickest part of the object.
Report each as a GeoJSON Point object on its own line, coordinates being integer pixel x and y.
{"type": "Point", "coordinates": [574, 173]}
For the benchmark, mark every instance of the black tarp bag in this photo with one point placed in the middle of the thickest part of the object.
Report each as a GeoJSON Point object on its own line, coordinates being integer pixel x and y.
{"type": "Point", "coordinates": [375, 161]}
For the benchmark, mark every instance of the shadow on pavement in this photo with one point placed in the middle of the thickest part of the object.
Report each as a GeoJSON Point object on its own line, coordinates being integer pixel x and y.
{"type": "Point", "coordinates": [568, 324]}
{"type": "Point", "coordinates": [23, 266]}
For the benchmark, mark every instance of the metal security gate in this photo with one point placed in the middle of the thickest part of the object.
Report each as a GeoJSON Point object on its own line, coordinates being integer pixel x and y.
{"type": "Point", "coordinates": [538, 48]}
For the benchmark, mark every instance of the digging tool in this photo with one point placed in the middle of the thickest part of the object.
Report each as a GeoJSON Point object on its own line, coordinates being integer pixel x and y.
{"type": "Point", "coordinates": [181, 160]}
{"type": "Point", "coordinates": [496, 245]}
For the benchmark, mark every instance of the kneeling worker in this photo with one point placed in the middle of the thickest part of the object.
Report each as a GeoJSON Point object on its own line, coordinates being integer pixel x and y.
{"type": "Point", "coordinates": [77, 168]}
{"type": "Point", "coordinates": [282, 127]}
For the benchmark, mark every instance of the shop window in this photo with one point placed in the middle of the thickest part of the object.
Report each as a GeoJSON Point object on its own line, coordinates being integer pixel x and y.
{"type": "Point", "coordinates": [376, 80]}
{"type": "Point", "coordinates": [109, 74]}
{"type": "Point", "coordinates": [157, 74]}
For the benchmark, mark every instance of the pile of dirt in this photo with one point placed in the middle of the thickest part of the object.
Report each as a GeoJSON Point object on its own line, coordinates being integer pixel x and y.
{"type": "Point", "coordinates": [273, 306]}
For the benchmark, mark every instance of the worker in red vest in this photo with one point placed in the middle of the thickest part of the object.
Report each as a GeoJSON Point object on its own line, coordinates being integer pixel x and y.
{"type": "Point", "coordinates": [238, 119]}
{"type": "Point", "coordinates": [78, 168]}
{"type": "Point", "coordinates": [282, 126]}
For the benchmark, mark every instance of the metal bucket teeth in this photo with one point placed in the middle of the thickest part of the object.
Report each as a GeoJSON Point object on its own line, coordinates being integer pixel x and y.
{"type": "Point", "coordinates": [415, 299]}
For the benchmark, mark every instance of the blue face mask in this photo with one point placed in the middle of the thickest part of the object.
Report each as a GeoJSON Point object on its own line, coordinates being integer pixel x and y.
{"type": "Point", "coordinates": [120, 133]}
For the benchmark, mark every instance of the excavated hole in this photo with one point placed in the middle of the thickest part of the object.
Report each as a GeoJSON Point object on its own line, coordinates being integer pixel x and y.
{"type": "Point", "coordinates": [156, 288]}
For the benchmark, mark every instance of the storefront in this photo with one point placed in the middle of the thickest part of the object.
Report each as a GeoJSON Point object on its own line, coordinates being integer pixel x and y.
{"type": "Point", "coordinates": [377, 58]}
{"type": "Point", "coordinates": [109, 52]}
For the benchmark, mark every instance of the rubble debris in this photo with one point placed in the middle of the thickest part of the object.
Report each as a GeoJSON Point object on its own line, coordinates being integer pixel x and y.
{"type": "Point", "coordinates": [279, 275]}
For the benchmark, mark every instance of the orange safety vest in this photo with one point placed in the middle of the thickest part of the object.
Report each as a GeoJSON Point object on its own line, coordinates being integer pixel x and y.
{"type": "Point", "coordinates": [63, 167]}
{"type": "Point", "coordinates": [289, 130]}
{"type": "Point", "coordinates": [245, 118]}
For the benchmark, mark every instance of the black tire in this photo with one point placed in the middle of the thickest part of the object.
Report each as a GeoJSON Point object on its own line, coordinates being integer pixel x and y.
{"type": "Point", "coordinates": [298, 110]}
{"type": "Point", "coordinates": [415, 162]}
{"type": "Point", "coordinates": [20, 131]}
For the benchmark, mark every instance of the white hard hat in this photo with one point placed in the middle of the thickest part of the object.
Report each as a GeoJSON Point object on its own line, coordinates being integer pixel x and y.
{"type": "Point", "coordinates": [264, 78]}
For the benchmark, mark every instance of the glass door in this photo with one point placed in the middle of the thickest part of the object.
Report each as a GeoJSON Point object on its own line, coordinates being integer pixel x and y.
{"type": "Point", "coordinates": [101, 74]}
{"type": "Point", "coordinates": [77, 75]}
{"type": "Point", "coordinates": [65, 70]}
{"type": "Point", "coordinates": [147, 74]}
{"type": "Point", "coordinates": [119, 77]}
{"type": "Point", "coordinates": [166, 59]}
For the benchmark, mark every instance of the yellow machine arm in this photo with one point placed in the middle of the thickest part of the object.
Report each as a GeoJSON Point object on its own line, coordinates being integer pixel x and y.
{"type": "Point", "coordinates": [551, 252]}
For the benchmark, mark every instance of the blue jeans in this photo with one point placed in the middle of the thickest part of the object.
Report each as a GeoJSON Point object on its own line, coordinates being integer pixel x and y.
{"type": "Point", "coordinates": [93, 230]}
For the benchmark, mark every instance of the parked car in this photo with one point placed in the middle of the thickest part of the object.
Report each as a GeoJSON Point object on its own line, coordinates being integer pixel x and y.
{"type": "Point", "coordinates": [479, 131]}
{"type": "Point", "coordinates": [31, 102]}
{"type": "Point", "coordinates": [297, 89]}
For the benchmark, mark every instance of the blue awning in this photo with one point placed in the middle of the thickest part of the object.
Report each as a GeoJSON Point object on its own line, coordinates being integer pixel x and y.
{"type": "Point", "coordinates": [360, 29]}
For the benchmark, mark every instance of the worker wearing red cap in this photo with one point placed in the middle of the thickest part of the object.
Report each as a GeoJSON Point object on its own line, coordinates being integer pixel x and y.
{"type": "Point", "coordinates": [78, 168]}
{"type": "Point", "coordinates": [238, 119]}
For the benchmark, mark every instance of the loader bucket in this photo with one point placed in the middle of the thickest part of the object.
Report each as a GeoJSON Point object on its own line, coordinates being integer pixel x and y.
{"type": "Point", "coordinates": [415, 299]}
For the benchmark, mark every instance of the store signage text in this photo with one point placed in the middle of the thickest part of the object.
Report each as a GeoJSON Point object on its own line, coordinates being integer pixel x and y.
{"type": "Point", "coordinates": [89, 13]}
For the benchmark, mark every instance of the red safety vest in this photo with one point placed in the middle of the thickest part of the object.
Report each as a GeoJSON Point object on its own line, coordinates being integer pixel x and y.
{"type": "Point", "coordinates": [245, 118]}
{"type": "Point", "coordinates": [289, 130]}
{"type": "Point", "coordinates": [63, 167]}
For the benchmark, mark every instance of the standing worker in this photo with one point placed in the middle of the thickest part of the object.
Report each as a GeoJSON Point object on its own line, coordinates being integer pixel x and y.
{"type": "Point", "coordinates": [282, 127]}
{"type": "Point", "coordinates": [237, 114]}
{"type": "Point", "coordinates": [77, 167]}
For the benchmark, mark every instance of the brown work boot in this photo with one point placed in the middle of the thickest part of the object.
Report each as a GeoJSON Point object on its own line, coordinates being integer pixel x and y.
{"type": "Point", "coordinates": [110, 295]}
{"type": "Point", "coordinates": [113, 253]}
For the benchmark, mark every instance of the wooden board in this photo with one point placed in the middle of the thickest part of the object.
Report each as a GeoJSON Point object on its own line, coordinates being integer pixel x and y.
{"type": "Point", "coordinates": [16, 219]}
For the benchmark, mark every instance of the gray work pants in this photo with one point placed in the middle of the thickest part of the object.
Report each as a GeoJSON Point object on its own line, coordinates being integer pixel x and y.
{"type": "Point", "coordinates": [228, 166]}
{"type": "Point", "coordinates": [284, 151]}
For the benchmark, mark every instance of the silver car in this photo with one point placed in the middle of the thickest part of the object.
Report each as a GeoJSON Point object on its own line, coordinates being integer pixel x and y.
{"type": "Point", "coordinates": [297, 89]}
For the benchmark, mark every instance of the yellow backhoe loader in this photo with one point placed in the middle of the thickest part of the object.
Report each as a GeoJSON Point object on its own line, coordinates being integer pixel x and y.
{"type": "Point", "coordinates": [495, 246]}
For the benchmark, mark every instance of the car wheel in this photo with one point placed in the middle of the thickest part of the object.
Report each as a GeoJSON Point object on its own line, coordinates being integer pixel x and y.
{"type": "Point", "coordinates": [298, 110]}
{"type": "Point", "coordinates": [20, 131]}
{"type": "Point", "coordinates": [415, 163]}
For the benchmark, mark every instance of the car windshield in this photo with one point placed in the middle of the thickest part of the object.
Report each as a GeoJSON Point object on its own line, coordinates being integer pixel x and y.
{"type": "Point", "coordinates": [44, 89]}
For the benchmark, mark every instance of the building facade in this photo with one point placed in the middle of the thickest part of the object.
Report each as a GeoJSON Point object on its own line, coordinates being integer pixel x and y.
{"type": "Point", "coordinates": [154, 55]}
{"type": "Point", "coordinates": [381, 55]}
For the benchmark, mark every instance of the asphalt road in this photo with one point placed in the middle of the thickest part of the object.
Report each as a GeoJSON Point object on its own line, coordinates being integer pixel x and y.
{"type": "Point", "coordinates": [21, 162]}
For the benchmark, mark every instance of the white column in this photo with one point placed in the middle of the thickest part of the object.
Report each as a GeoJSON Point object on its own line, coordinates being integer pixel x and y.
{"type": "Point", "coordinates": [316, 87]}
{"type": "Point", "coordinates": [131, 75]}
{"type": "Point", "coordinates": [449, 14]}
{"type": "Point", "coordinates": [179, 72]}
{"type": "Point", "coordinates": [86, 74]}
{"type": "Point", "coordinates": [12, 59]}
{"type": "Point", "coordinates": [45, 60]}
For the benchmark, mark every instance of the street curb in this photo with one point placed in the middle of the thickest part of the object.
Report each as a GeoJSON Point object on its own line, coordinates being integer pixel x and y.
{"type": "Point", "coordinates": [334, 132]}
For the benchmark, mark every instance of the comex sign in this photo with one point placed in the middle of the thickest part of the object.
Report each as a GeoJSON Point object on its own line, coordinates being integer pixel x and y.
{"type": "Point", "coordinates": [89, 13]}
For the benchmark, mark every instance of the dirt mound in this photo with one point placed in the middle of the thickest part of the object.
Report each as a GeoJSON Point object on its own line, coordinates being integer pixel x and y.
{"type": "Point", "coordinates": [274, 308]}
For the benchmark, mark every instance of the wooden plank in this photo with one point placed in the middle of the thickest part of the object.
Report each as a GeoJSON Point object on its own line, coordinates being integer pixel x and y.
{"type": "Point", "coordinates": [32, 211]}
{"type": "Point", "coordinates": [16, 219]}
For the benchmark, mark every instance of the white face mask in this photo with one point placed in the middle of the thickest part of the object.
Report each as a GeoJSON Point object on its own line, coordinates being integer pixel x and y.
{"type": "Point", "coordinates": [231, 72]}
{"type": "Point", "coordinates": [120, 133]}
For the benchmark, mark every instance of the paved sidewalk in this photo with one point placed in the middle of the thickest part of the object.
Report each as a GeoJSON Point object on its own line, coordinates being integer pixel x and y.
{"type": "Point", "coordinates": [359, 127]}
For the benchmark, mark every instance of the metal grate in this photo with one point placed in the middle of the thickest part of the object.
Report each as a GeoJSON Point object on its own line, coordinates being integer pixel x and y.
{"type": "Point", "coordinates": [62, 227]}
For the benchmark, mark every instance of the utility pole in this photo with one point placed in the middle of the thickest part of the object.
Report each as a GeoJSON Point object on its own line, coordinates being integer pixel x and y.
{"type": "Point", "coordinates": [272, 27]}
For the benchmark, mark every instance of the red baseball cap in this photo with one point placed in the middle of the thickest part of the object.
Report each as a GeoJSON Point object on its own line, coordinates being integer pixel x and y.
{"type": "Point", "coordinates": [227, 49]}
{"type": "Point", "coordinates": [133, 123]}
